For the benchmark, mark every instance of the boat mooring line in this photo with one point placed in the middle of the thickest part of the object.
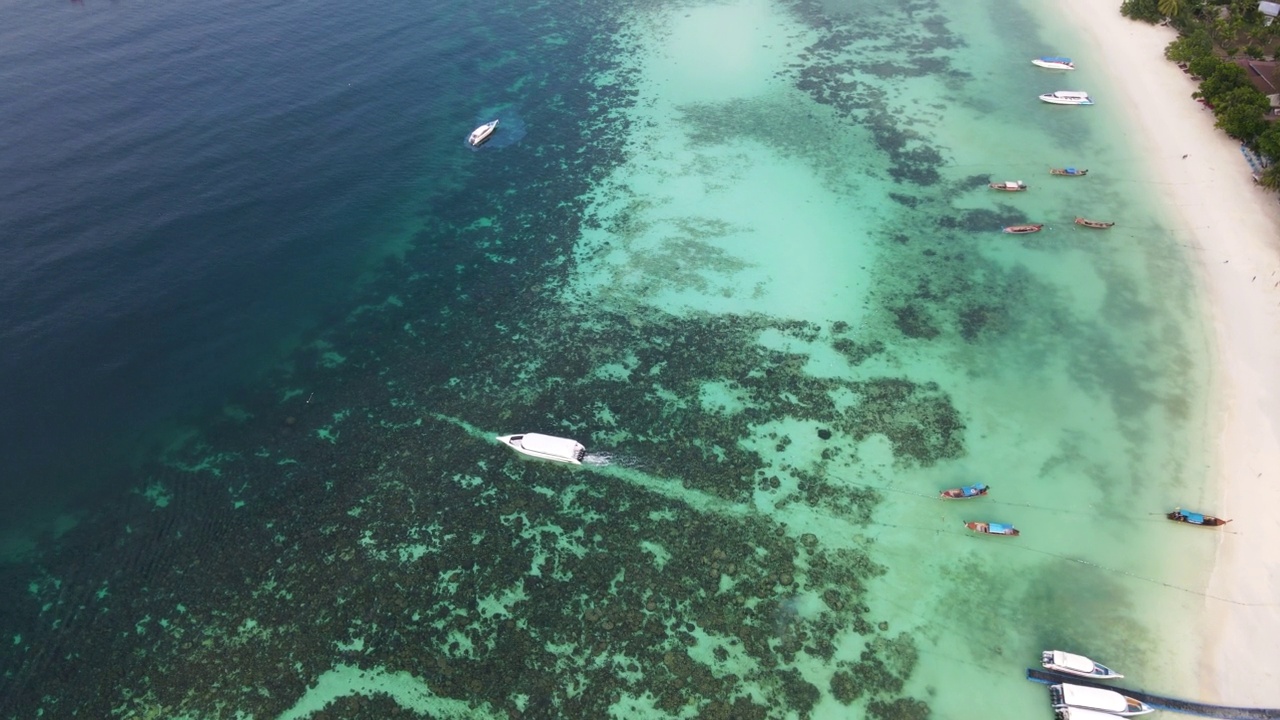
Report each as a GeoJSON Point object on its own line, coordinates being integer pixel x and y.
{"type": "Point", "coordinates": [1160, 702]}
{"type": "Point", "coordinates": [986, 500]}
{"type": "Point", "coordinates": [1015, 545]}
{"type": "Point", "coordinates": [1136, 576]}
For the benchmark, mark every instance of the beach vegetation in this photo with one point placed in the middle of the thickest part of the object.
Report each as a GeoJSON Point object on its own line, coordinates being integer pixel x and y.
{"type": "Point", "coordinates": [1220, 78]}
{"type": "Point", "coordinates": [1211, 36]}
{"type": "Point", "coordinates": [1240, 113]}
{"type": "Point", "coordinates": [1145, 10]}
{"type": "Point", "coordinates": [1171, 8]}
{"type": "Point", "coordinates": [1194, 45]}
{"type": "Point", "coordinates": [1270, 177]}
{"type": "Point", "coordinates": [1268, 142]}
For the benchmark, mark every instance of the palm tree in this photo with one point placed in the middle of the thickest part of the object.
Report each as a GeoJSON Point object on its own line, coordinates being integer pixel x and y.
{"type": "Point", "coordinates": [1270, 177]}
{"type": "Point", "coordinates": [1170, 8]}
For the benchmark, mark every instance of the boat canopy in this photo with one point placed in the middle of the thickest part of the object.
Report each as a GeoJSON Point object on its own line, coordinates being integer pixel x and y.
{"type": "Point", "coordinates": [1075, 94]}
{"type": "Point", "coordinates": [551, 445]}
{"type": "Point", "coordinates": [1056, 59]}
{"type": "Point", "coordinates": [973, 489]}
{"type": "Point", "coordinates": [1012, 184]}
{"type": "Point", "coordinates": [1079, 663]}
{"type": "Point", "coordinates": [998, 527]}
{"type": "Point", "coordinates": [1093, 698]}
{"type": "Point", "coordinates": [1193, 517]}
{"type": "Point", "coordinates": [1072, 171]}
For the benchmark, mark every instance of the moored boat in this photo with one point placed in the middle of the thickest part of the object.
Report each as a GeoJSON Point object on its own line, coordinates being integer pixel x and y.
{"type": "Point", "coordinates": [1072, 664]}
{"type": "Point", "coordinates": [1099, 699]}
{"type": "Point", "coordinates": [1098, 224]}
{"type": "Point", "coordinates": [1074, 713]}
{"type": "Point", "coordinates": [1023, 229]}
{"type": "Point", "coordinates": [546, 447]}
{"type": "Point", "coordinates": [1067, 97]}
{"type": "Point", "coordinates": [1054, 62]}
{"type": "Point", "coordinates": [968, 491]}
{"type": "Point", "coordinates": [1192, 518]}
{"type": "Point", "coordinates": [990, 528]}
{"type": "Point", "coordinates": [1008, 186]}
{"type": "Point", "coordinates": [482, 133]}
{"type": "Point", "coordinates": [1068, 172]}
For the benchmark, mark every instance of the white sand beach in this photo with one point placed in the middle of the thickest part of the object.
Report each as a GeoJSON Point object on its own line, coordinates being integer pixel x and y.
{"type": "Point", "coordinates": [1234, 227]}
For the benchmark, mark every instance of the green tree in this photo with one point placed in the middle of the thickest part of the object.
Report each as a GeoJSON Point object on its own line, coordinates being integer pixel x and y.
{"type": "Point", "coordinates": [1240, 113]}
{"type": "Point", "coordinates": [1192, 46]}
{"type": "Point", "coordinates": [1225, 79]}
{"type": "Point", "coordinates": [1268, 142]}
{"type": "Point", "coordinates": [1270, 177]}
{"type": "Point", "coordinates": [1204, 66]}
{"type": "Point", "coordinates": [1144, 10]}
{"type": "Point", "coordinates": [1170, 8]}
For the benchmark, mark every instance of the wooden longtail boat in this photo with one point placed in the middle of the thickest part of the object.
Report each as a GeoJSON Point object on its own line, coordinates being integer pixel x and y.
{"type": "Point", "coordinates": [990, 528]}
{"type": "Point", "coordinates": [962, 493]}
{"type": "Point", "coordinates": [1023, 229]}
{"type": "Point", "coordinates": [1008, 186]}
{"type": "Point", "coordinates": [1068, 172]}
{"type": "Point", "coordinates": [1098, 224]}
{"type": "Point", "coordinates": [1191, 518]}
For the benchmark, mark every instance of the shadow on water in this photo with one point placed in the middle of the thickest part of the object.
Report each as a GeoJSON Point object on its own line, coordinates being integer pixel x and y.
{"type": "Point", "coordinates": [511, 127]}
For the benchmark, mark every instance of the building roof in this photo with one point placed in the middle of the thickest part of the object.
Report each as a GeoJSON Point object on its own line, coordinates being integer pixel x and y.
{"type": "Point", "coordinates": [1269, 8]}
{"type": "Point", "coordinates": [1262, 74]}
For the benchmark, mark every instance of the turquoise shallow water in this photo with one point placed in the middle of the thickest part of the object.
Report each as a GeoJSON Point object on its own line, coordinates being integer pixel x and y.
{"type": "Point", "coordinates": [745, 252]}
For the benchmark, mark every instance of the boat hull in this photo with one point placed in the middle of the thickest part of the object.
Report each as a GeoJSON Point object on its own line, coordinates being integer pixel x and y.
{"type": "Point", "coordinates": [964, 493]}
{"type": "Point", "coordinates": [986, 528]}
{"type": "Point", "coordinates": [1067, 695]}
{"type": "Point", "coordinates": [1094, 224]}
{"type": "Point", "coordinates": [1023, 229]}
{"type": "Point", "coordinates": [1198, 519]}
{"type": "Point", "coordinates": [1012, 186]}
{"type": "Point", "coordinates": [482, 133]}
{"type": "Point", "coordinates": [546, 447]}
{"type": "Point", "coordinates": [1052, 65]}
{"type": "Point", "coordinates": [1077, 665]}
{"type": "Point", "coordinates": [1066, 99]}
{"type": "Point", "coordinates": [1068, 172]}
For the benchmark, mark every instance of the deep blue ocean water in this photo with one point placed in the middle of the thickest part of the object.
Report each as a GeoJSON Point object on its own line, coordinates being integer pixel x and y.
{"type": "Point", "coordinates": [188, 186]}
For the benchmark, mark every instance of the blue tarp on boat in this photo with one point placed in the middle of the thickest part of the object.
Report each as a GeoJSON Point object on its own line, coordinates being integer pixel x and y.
{"type": "Point", "coordinates": [973, 489]}
{"type": "Point", "coordinates": [998, 528]}
{"type": "Point", "coordinates": [1191, 517]}
{"type": "Point", "coordinates": [1055, 58]}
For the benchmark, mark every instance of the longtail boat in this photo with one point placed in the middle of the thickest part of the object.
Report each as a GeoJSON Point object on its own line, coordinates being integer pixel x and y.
{"type": "Point", "coordinates": [990, 528]}
{"type": "Point", "coordinates": [1008, 186]}
{"type": "Point", "coordinates": [962, 493]}
{"type": "Point", "coordinates": [1191, 518]}
{"type": "Point", "coordinates": [1023, 229]}
{"type": "Point", "coordinates": [1098, 224]}
{"type": "Point", "coordinates": [1068, 172]}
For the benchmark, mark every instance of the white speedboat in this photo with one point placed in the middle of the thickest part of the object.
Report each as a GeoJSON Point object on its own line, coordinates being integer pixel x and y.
{"type": "Point", "coordinates": [1054, 62]}
{"type": "Point", "coordinates": [1067, 97]}
{"type": "Point", "coordinates": [1088, 698]}
{"type": "Point", "coordinates": [482, 133]}
{"type": "Point", "coordinates": [546, 447]}
{"type": "Point", "coordinates": [1072, 713]}
{"type": "Point", "coordinates": [1065, 662]}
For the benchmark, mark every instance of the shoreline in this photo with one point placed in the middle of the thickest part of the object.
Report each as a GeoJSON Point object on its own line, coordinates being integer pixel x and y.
{"type": "Point", "coordinates": [1234, 228]}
